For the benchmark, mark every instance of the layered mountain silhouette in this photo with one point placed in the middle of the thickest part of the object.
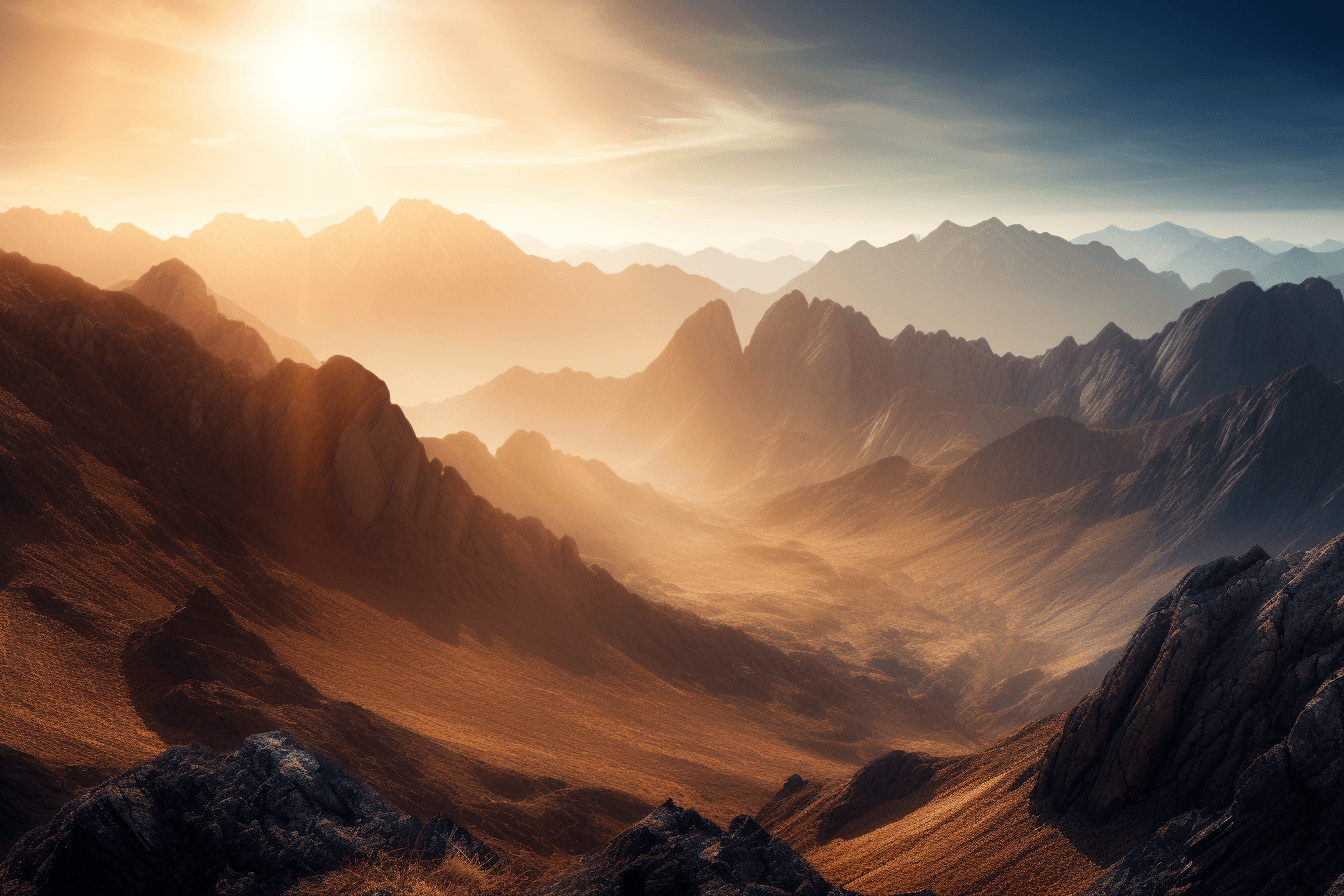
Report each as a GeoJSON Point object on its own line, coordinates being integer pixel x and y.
{"type": "Point", "coordinates": [360, 595]}
{"type": "Point", "coordinates": [432, 299]}
{"type": "Point", "coordinates": [818, 391]}
{"type": "Point", "coordinates": [1019, 289]}
{"type": "Point", "coordinates": [722, 267]}
{"type": "Point", "coordinates": [1199, 257]}
{"type": "Point", "coordinates": [1063, 527]}
{"type": "Point", "coordinates": [1205, 762]}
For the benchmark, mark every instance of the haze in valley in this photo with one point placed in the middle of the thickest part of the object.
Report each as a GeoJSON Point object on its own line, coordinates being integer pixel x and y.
{"type": "Point", "coordinates": [647, 448]}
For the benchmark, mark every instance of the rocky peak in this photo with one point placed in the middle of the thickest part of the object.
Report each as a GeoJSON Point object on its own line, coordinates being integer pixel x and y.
{"type": "Point", "coordinates": [179, 292]}
{"type": "Point", "coordinates": [1223, 716]}
{"type": "Point", "coordinates": [820, 364]}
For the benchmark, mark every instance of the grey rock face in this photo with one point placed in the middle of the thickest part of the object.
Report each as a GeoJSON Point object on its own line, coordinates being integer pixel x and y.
{"type": "Point", "coordinates": [193, 822]}
{"type": "Point", "coordinates": [675, 852]}
{"type": "Point", "coordinates": [1225, 716]}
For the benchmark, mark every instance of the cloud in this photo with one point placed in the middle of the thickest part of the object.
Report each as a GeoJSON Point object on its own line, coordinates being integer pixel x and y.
{"type": "Point", "coordinates": [393, 123]}
{"type": "Point", "coordinates": [225, 141]}
{"type": "Point", "coordinates": [721, 127]}
{"type": "Point", "coordinates": [152, 135]}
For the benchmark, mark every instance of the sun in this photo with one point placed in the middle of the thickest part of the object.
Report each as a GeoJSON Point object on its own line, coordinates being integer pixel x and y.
{"type": "Point", "coordinates": [311, 75]}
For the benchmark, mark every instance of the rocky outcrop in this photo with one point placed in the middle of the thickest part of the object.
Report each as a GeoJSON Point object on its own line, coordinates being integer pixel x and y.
{"type": "Point", "coordinates": [820, 365]}
{"type": "Point", "coordinates": [1223, 715]}
{"type": "Point", "coordinates": [180, 293]}
{"type": "Point", "coordinates": [675, 852]}
{"type": "Point", "coordinates": [190, 821]}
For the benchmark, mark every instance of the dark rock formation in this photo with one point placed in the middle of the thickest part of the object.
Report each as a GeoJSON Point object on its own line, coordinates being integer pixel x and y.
{"type": "Point", "coordinates": [675, 852]}
{"type": "Point", "coordinates": [194, 822]}
{"type": "Point", "coordinates": [1223, 716]}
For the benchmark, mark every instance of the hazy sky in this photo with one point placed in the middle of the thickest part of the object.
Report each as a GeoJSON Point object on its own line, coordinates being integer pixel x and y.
{"type": "Point", "coordinates": [685, 123]}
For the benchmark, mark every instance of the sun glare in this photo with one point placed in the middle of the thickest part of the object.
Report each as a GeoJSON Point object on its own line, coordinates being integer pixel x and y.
{"type": "Point", "coordinates": [311, 75]}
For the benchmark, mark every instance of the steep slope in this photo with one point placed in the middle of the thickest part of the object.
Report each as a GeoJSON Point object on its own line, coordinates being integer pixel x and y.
{"type": "Point", "coordinates": [615, 522]}
{"type": "Point", "coordinates": [1244, 336]}
{"type": "Point", "coordinates": [181, 294]}
{"type": "Point", "coordinates": [996, 282]}
{"type": "Point", "coordinates": [1208, 755]}
{"type": "Point", "coordinates": [135, 467]}
{"type": "Point", "coordinates": [1052, 533]}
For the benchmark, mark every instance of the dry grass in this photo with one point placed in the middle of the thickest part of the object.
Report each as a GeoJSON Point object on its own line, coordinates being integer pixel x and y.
{"type": "Point", "coordinates": [402, 876]}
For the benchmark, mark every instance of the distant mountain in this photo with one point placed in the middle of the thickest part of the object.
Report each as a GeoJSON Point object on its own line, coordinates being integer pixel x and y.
{"type": "Point", "coordinates": [435, 300]}
{"type": "Point", "coordinates": [818, 391]}
{"type": "Point", "coordinates": [180, 293]}
{"type": "Point", "coordinates": [612, 519]}
{"type": "Point", "coordinates": [1298, 264]}
{"type": "Point", "coordinates": [768, 248]}
{"type": "Point", "coordinates": [1198, 257]}
{"type": "Point", "coordinates": [1278, 246]}
{"type": "Point", "coordinates": [1157, 246]}
{"type": "Point", "coordinates": [719, 266]}
{"type": "Point", "coordinates": [1205, 258]}
{"type": "Point", "coordinates": [1019, 289]}
{"type": "Point", "coordinates": [311, 225]}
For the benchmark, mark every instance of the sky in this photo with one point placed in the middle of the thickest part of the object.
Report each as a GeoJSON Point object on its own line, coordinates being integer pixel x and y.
{"type": "Point", "coordinates": [682, 122]}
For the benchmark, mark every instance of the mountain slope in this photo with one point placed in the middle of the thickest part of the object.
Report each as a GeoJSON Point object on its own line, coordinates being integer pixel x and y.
{"type": "Point", "coordinates": [1224, 706]}
{"type": "Point", "coordinates": [135, 467]}
{"type": "Point", "coordinates": [1157, 246]}
{"type": "Point", "coordinates": [180, 293]}
{"type": "Point", "coordinates": [996, 282]}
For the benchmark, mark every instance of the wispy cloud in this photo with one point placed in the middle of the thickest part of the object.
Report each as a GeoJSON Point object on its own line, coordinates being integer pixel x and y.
{"type": "Point", "coordinates": [224, 141]}
{"type": "Point", "coordinates": [152, 135]}
{"type": "Point", "coordinates": [393, 123]}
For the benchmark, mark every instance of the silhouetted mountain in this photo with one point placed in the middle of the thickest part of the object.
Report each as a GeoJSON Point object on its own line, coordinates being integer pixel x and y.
{"type": "Point", "coordinates": [1277, 246]}
{"type": "Point", "coordinates": [1246, 335]}
{"type": "Point", "coordinates": [719, 266]}
{"type": "Point", "coordinates": [180, 293]}
{"type": "Point", "coordinates": [1298, 264]}
{"type": "Point", "coordinates": [769, 248]}
{"type": "Point", "coordinates": [433, 299]}
{"type": "Point", "coordinates": [1157, 246]}
{"type": "Point", "coordinates": [1019, 289]}
{"type": "Point", "coordinates": [822, 392]}
{"type": "Point", "coordinates": [1205, 762]}
{"type": "Point", "coordinates": [612, 519]}
{"type": "Point", "coordinates": [1328, 246]}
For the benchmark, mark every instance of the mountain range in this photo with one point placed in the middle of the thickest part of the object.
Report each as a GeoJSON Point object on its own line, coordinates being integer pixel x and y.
{"type": "Point", "coordinates": [719, 266]}
{"type": "Point", "coordinates": [1197, 256]}
{"type": "Point", "coordinates": [1019, 289]}
{"type": "Point", "coordinates": [428, 297]}
{"type": "Point", "coordinates": [856, 543]}
{"type": "Point", "coordinates": [195, 553]}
